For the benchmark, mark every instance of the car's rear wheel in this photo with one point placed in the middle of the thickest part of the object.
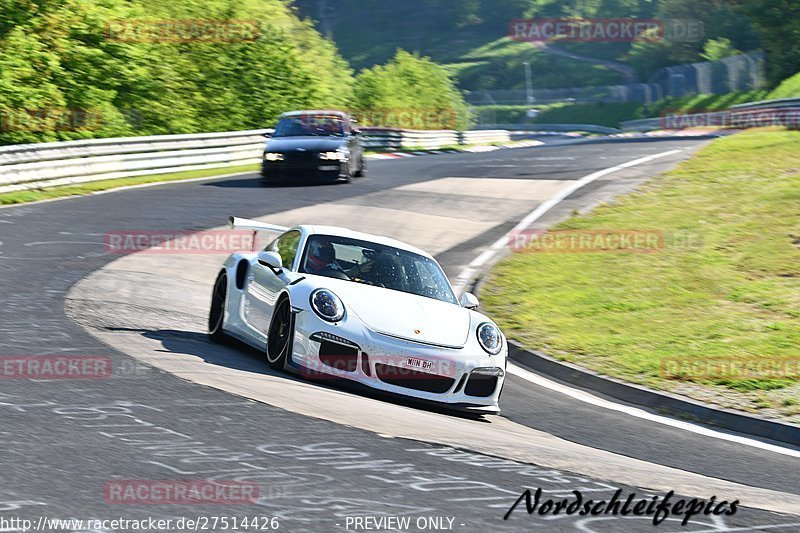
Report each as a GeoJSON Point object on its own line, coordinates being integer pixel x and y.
{"type": "Point", "coordinates": [279, 339]}
{"type": "Point", "coordinates": [216, 313]}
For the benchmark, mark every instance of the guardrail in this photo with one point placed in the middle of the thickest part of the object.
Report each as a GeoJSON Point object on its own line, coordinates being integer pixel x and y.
{"type": "Point", "coordinates": [643, 124]}
{"type": "Point", "coordinates": [393, 138]}
{"type": "Point", "coordinates": [484, 136]}
{"type": "Point", "coordinates": [590, 128]}
{"type": "Point", "coordinates": [29, 166]}
{"type": "Point", "coordinates": [769, 104]}
{"type": "Point", "coordinates": [786, 112]}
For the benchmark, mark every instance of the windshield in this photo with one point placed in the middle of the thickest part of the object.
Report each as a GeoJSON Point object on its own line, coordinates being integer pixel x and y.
{"type": "Point", "coordinates": [313, 125]}
{"type": "Point", "coordinates": [375, 264]}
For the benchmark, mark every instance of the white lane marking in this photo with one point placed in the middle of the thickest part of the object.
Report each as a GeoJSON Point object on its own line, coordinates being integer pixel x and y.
{"type": "Point", "coordinates": [39, 243]}
{"type": "Point", "coordinates": [466, 275]}
{"type": "Point", "coordinates": [639, 413]}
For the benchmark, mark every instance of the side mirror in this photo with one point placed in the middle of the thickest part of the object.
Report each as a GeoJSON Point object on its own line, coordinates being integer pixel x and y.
{"type": "Point", "coordinates": [272, 260]}
{"type": "Point", "coordinates": [469, 300]}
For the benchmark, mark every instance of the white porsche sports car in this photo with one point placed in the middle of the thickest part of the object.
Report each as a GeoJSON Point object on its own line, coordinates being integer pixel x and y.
{"type": "Point", "coordinates": [330, 302]}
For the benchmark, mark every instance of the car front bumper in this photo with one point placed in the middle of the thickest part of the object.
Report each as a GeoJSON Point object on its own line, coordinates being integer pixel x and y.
{"type": "Point", "coordinates": [309, 169]}
{"type": "Point", "coordinates": [461, 379]}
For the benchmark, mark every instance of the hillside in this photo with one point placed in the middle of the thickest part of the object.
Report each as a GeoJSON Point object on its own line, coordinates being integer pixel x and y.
{"type": "Point", "coordinates": [470, 37]}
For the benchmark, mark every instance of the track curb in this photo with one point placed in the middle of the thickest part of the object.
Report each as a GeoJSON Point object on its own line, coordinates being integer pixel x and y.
{"type": "Point", "coordinates": [659, 401]}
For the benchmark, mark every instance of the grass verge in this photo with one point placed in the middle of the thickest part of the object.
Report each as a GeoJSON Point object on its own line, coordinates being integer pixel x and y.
{"type": "Point", "coordinates": [724, 286]}
{"type": "Point", "coordinates": [33, 195]}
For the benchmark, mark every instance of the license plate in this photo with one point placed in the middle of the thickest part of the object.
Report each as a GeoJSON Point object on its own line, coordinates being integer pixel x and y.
{"type": "Point", "coordinates": [329, 167]}
{"type": "Point", "coordinates": [413, 362]}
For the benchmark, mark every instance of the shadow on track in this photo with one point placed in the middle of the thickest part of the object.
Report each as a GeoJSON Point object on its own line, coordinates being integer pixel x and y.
{"type": "Point", "coordinates": [257, 183]}
{"type": "Point", "coordinates": [237, 355]}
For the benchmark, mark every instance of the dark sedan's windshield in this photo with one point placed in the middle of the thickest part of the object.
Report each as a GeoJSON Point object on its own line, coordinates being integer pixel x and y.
{"type": "Point", "coordinates": [375, 264]}
{"type": "Point", "coordinates": [313, 125]}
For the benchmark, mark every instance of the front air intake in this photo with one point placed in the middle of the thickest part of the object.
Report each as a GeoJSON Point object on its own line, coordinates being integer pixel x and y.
{"type": "Point", "coordinates": [413, 379]}
{"type": "Point", "coordinates": [338, 356]}
{"type": "Point", "coordinates": [480, 385]}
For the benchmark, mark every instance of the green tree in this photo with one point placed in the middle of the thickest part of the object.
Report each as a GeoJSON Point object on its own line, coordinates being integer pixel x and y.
{"type": "Point", "coordinates": [59, 55]}
{"type": "Point", "coordinates": [716, 49]}
{"type": "Point", "coordinates": [409, 84]}
{"type": "Point", "coordinates": [779, 24]}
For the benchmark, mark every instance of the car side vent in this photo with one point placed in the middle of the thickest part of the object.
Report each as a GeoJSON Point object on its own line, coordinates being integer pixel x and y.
{"type": "Point", "coordinates": [241, 274]}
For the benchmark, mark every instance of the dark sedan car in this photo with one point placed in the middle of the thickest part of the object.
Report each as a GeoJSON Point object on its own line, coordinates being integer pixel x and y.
{"type": "Point", "coordinates": [313, 145]}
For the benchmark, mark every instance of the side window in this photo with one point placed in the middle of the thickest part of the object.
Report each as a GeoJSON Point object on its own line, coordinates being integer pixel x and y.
{"type": "Point", "coordinates": [286, 245]}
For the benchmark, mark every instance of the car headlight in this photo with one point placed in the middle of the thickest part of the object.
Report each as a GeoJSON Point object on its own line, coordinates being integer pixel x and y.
{"type": "Point", "coordinates": [273, 156]}
{"type": "Point", "coordinates": [327, 305]}
{"type": "Point", "coordinates": [490, 338]}
{"type": "Point", "coordinates": [333, 156]}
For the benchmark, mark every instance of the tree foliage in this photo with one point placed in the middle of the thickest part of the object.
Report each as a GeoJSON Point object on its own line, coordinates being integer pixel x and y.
{"type": "Point", "coordinates": [409, 84]}
{"type": "Point", "coordinates": [716, 49]}
{"type": "Point", "coordinates": [459, 32]}
{"type": "Point", "coordinates": [725, 32]}
{"type": "Point", "coordinates": [779, 25]}
{"type": "Point", "coordinates": [57, 56]}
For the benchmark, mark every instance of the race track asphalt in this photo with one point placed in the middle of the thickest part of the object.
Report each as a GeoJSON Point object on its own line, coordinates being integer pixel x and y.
{"type": "Point", "coordinates": [63, 440]}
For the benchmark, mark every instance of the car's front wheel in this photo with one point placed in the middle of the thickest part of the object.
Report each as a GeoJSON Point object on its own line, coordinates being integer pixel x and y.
{"type": "Point", "coordinates": [279, 339]}
{"type": "Point", "coordinates": [362, 168]}
{"type": "Point", "coordinates": [216, 313]}
{"type": "Point", "coordinates": [348, 173]}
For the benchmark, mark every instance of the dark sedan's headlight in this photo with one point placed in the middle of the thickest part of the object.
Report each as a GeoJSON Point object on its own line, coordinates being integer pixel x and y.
{"type": "Point", "coordinates": [333, 156]}
{"type": "Point", "coordinates": [327, 305]}
{"type": "Point", "coordinates": [273, 156]}
{"type": "Point", "coordinates": [490, 338]}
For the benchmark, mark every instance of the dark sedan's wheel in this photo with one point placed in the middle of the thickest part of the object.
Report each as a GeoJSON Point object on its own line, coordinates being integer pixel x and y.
{"type": "Point", "coordinates": [348, 173]}
{"type": "Point", "coordinates": [362, 168]}
{"type": "Point", "coordinates": [216, 314]}
{"type": "Point", "coordinates": [279, 340]}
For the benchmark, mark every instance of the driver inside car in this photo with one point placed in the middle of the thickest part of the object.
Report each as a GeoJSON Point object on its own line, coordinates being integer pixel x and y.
{"type": "Point", "coordinates": [321, 258]}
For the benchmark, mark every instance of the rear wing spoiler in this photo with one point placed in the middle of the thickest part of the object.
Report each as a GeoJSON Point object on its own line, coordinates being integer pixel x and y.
{"type": "Point", "coordinates": [255, 225]}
